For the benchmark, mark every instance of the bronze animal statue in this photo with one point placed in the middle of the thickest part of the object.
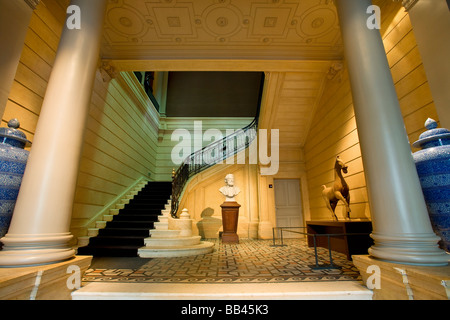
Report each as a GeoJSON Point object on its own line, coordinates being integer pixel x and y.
{"type": "Point", "coordinates": [339, 190]}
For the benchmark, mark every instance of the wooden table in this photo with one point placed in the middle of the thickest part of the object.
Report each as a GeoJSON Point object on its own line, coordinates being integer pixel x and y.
{"type": "Point", "coordinates": [347, 244]}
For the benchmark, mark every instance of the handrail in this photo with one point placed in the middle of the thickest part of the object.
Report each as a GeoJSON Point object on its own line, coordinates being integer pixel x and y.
{"type": "Point", "coordinates": [221, 150]}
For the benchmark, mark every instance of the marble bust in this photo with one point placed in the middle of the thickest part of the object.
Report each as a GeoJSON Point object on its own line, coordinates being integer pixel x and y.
{"type": "Point", "coordinates": [229, 190]}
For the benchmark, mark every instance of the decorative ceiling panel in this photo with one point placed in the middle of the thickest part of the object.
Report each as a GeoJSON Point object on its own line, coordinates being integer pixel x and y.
{"type": "Point", "coordinates": [215, 29]}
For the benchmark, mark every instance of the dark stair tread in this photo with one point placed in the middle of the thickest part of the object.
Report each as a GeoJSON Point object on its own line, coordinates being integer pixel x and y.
{"type": "Point", "coordinates": [130, 224]}
{"type": "Point", "coordinates": [125, 234]}
{"type": "Point", "coordinates": [109, 251]}
{"type": "Point", "coordinates": [116, 241]}
{"type": "Point", "coordinates": [135, 218]}
{"type": "Point", "coordinates": [122, 232]}
{"type": "Point", "coordinates": [140, 211]}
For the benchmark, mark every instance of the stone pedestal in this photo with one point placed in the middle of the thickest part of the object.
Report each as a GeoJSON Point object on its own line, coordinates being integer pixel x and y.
{"type": "Point", "coordinates": [230, 217]}
{"type": "Point", "coordinates": [54, 281]}
{"type": "Point", "coordinates": [393, 281]}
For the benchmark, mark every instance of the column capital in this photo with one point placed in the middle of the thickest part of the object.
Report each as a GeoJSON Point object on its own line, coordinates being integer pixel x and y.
{"type": "Point", "coordinates": [335, 71]}
{"type": "Point", "coordinates": [408, 4]}
{"type": "Point", "coordinates": [32, 3]}
{"type": "Point", "coordinates": [108, 71]}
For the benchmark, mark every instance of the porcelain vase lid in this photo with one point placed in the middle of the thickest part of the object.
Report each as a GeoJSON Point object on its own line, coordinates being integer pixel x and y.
{"type": "Point", "coordinates": [432, 134]}
{"type": "Point", "coordinates": [13, 134]}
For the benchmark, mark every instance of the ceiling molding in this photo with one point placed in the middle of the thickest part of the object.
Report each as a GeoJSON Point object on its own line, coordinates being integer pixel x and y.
{"type": "Point", "coordinates": [408, 4]}
{"type": "Point", "coordinates": [32, 3]}
{"type": "Point", "coordinates": [221, 65]}
{"type": "Point", "coordinates": [208, 29]}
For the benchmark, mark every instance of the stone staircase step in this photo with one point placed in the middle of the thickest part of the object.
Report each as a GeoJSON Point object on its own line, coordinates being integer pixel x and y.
{"type": "Point", "coordinates": [162, 234]}
{"type": "Point", "coordinates": [172, 242]}
{"type": "Point", "coordinates": [175, 251]}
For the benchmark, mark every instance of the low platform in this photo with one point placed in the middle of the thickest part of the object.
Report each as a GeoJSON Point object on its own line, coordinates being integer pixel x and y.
{"type": "Point", "coordinates": [179, 250]}
{"type": "Point", "coordinates": [343, 290]}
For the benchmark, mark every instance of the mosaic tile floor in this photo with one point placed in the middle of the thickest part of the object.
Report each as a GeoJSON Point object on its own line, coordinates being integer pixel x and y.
{"type": "Point", "coordinates": [250, 261]}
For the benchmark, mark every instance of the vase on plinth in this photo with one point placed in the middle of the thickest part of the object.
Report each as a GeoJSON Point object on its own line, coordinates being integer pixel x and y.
{"type": "Point", "coordinates": [230, 218]}
{"type": "Point", "coordinates": [433, 167]}
{"type": "Point", "coordinates": [13, 160]}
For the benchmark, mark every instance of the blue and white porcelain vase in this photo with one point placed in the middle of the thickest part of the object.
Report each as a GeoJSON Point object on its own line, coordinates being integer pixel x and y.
{"type": "Point", "coordinates": [433, 167]}
{"type": "Point", "coordinates": [13, 160]}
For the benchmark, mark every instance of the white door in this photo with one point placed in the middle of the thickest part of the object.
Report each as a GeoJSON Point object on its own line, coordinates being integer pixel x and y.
{"type": "Point", "coordinates": [288, 206]}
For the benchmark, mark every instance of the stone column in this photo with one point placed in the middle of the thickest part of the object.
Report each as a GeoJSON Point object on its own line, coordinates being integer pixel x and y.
{"type": "Point", "coordinates": [39, 230]}
{"type": "Point", "coordinates": [429, 19]}
{"type": "Point", "coordinates": [402, 230]}
{"type": "Point", "coordinates": [15, 17]}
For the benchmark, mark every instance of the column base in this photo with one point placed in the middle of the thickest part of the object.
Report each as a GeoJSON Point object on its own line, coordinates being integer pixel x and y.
{"type": "Point", "coordinates": [31, 250]}
{"type": "Point", "coordinates": [420, 250]}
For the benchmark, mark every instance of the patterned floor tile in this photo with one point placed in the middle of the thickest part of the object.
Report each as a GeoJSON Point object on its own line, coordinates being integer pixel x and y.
{"type": "Point", "coordinates": [248, 261]}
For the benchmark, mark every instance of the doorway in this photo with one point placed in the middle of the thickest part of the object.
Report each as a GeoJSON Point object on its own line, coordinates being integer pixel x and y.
{"type": "Point", "coordinates": [288, 206]}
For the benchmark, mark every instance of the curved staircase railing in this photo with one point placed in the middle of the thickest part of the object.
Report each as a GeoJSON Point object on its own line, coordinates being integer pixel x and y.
{"type": "Point", "coordinates": [210, 155]}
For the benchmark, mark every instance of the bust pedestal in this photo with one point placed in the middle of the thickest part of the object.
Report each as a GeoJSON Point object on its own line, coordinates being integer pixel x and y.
{"type": "Point", "coordinates": [230, 216]}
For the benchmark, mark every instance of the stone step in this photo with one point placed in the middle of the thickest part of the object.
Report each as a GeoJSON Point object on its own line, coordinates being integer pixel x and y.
{"type": "Point", "coordinates": [92, 232]}
{"type": "Point", "coordinates": [108, 217]}
{"type": "Point", "coordinates": [83, 241]}
{"type": "Point", "coordinates": [327, 290]}
{"type": "Point", "coordinates": [172, 242]}
{"type": "Point", "coordinates": [100, 224]}
{"type": "Point", "coordinates": [163, 219]}
{"type": "Point", "coordinates": [162, 234]}
{"type": "Point", "coordinates": [161, 225]}
{"type": "Point", "coordinates": [175, 251]}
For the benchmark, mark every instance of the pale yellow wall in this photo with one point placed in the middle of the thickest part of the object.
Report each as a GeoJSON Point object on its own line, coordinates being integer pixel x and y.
{"type": "Point", "coordinates": [291, 156]}
{"type": "Point", "coordinates": [333, 131]}
{"type": "Point", "coordinates": [120, 148]}
{"type": "Point", "coordinates": [408, 72]}
{"type": "Point", "coordinates": [164, 163]}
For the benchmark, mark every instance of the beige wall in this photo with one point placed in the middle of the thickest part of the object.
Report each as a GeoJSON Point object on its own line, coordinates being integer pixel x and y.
{"type": "Point", "coordinates": [413, 90]}
{"type": "Point", "coordinates": [164, 164]}
{"type": "Point", "coordinates": [120, 148]}
{"type": "Point", "coordinates": [333, 131]}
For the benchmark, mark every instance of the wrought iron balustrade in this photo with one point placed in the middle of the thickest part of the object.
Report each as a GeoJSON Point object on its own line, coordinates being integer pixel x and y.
{"type": "Point", "coordinates": [208, 156]}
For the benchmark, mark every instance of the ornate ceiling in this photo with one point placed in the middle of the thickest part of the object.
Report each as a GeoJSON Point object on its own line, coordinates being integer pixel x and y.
{"type": "Point", "coordinates": [221, 29]}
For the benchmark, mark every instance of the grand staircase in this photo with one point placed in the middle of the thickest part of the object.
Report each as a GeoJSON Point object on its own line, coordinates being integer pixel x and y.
{"type": "Point", "coordinates": [125, 233]}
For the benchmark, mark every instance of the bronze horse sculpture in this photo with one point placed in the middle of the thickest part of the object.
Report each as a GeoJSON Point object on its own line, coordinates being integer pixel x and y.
{"type": "Point", "coordinates": [339, 190]}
